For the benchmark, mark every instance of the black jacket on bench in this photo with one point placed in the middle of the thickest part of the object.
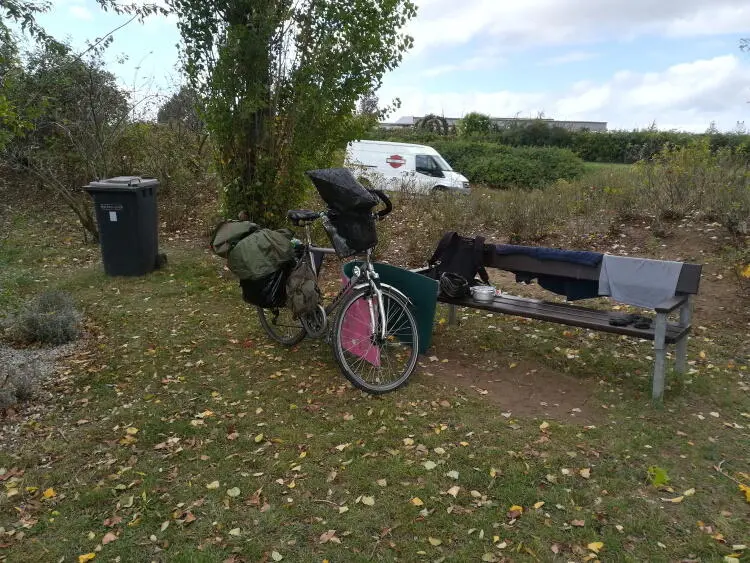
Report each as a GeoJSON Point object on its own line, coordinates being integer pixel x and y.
{"type": "Point", "coordinates": [571, 288]}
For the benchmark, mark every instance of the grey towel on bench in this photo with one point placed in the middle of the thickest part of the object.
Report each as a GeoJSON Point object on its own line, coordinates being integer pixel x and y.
{"type": "Point", "coordinates": [638, 281]}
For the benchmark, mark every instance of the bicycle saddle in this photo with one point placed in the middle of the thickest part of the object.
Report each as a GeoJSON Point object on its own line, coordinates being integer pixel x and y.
{"type": "Point", "coordinates": [298, 216]}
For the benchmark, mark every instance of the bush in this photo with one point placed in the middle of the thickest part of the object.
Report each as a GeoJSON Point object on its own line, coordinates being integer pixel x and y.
{"type": "Point", "coordinates": [18, 384]}
{"type": "Point", "coordinates": [178, 157]}
{"type": "Point", "coordinates": [49, 318]}
{"type": "Point", "coordinates": [508, 167]}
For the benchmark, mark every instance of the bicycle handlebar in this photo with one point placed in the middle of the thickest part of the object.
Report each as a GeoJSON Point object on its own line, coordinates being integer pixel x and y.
{"type": "Point", "coordinates": [388, 205]}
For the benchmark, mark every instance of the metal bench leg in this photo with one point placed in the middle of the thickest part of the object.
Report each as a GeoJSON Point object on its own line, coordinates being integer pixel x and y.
{"type": "Point", "coordinates": [660, 350]}
{"type": "Point", "coordinates": [686, 316]}
{"type": "Point", "coordinates": [451, 314]}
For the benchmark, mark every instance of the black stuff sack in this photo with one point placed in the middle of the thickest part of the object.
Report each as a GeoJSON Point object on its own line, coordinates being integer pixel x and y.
{"type": "Point", "coordinates": [341, 191]}
{"type": "Point", "coordinates": [268, 292]}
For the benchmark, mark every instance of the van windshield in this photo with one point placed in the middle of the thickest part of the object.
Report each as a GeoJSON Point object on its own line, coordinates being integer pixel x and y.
{"type": "Point", "coordinates": [444, 166]}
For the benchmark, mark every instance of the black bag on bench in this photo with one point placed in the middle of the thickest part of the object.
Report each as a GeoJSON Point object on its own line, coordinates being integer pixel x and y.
{"type": "Point", "coordinates": [459, 255]}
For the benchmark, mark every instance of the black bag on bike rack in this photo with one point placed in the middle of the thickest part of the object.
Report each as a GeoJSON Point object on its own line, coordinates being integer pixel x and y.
{"type": "Point", "coordinates": [357, 230]}
{"type": "Point", "coordinates": [267, 292]}
{"type": "Point", "coordinates": [341, 191]}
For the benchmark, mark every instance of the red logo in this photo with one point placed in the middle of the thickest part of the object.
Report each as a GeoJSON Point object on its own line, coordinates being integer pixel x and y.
{"type": "Point", "coordinates": [396, 161]}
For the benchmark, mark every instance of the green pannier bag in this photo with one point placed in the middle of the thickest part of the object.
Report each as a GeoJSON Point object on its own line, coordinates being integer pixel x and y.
{"type": "Point", "coordinates": [302, 291]}
{"type": "Point", "coordinates": [261, 253]}
{"type": "Point", "coordinates": [228, 234]}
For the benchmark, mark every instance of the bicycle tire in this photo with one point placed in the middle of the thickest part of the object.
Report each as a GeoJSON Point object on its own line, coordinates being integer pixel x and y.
{"type": "Point", "coordinates": [291, 337]}
{"type": "Point", "coordinates": [364, 363]}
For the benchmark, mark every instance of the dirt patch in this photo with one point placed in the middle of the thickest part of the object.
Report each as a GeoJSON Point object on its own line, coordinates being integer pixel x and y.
{"type": "Point", "coordinates": [528, 389]}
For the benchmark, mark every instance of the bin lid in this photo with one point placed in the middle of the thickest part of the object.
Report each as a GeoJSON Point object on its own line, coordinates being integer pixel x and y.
{"type": "Point", "coordinates": [120, 183]}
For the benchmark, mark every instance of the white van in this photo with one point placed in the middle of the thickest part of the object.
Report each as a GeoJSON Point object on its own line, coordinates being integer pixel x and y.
{"type": "Point", "coordinates": [398, 166]}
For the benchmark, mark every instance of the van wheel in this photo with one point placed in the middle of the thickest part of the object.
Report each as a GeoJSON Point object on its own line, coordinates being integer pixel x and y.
{"type": "Point", "coordinates": [439, 189]}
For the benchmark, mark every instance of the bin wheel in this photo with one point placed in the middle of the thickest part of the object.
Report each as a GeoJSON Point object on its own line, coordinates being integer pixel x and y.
{"type": "Point", "coordinates": [161, 260]}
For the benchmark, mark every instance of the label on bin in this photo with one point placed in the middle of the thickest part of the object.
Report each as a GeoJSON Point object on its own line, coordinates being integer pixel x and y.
{"type": "Point", "coordinates": [113, 216]}
{"type": "Point", "coordinates": [110, 206]}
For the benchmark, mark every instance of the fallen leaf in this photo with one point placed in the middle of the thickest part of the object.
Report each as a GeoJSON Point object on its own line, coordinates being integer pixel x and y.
{"type": "Point", "coordinates": [330, 535]}
{"type": "Point", "coordinates": [234, 492]}
{"type": "Point", "coordinates": [49, 493]}
{"type": "Point", "coordinates": [109, 537]}
{"type": "Point", "coordinates": [258, 440]}
{"type": "Point", "coordinates": [416, 501]}
{"type": "Point", "coordinates": [127, 502]}
{"type": "Point", "coordinates": [453, 491]}
{"type": "Point", "coordinates": [489, 558]}
{"type": "Point", "coordinates": [429, 465]}
{"type": "Point", "coordinates": [745, 489]}
{"type": "Point", "coordinates": [452, 474]}
{"type": "Point", "coordinates": [408, 442]}
{"type": "Point", "coordinates": [112, 522]}
{"type": "Point", "coordinates": [235, 532]}
{"type": "Point", "coordinates": [689, 493]}
{"type": "Point", "coordinates": [368, 501]}
{"type": "Point", "coordinates": [86, 557]}
{"type": "Point", "coordinates": [543, 426]}
{"type": "Point", "coordinates": [596, 546]}
{"type": "Point", "coordinates": [276, 556]}
{"type": "Point", "coordinates": [578, 523]}
{"type": "Point", "coordinates": [675, 500]}
{"type": "Point", "coordinates": [539, 505]}
{"type": "Point", "coordinates": [515, 511]}
{"type": "Point", "coordinates": [213, 485]}
{"type": "Point", "coordinates": [435, 541]}
{"type": "Point", "coordinates": [382, 483]}
{"type": "Point", "coordinates": [585, 473]}
{"type": "Point", "coordinates": [132, 431]}
{"type": "Point", "coordinates": [342, 447]}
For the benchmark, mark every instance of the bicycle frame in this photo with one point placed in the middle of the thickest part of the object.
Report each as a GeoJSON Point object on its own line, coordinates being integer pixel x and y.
{"type": "Point", "coordinates": [371, 280]}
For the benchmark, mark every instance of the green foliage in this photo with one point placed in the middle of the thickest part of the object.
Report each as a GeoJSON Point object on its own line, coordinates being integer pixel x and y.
{"type": "Point", "coordinates": [510, 167]}
{"type": "Point", "coordinates": [75, 114]}
{"type": "Point", "coordinates": [182, 109]}
{"type": "Point", "coordinates": [177, 156]}
{"type": "Point", "coordinates": [625, 147]}
{"type": "Point", "coordinates": [434, 124]}
{"type": "Point", "coordinates": [475, 123]}
{"type": "Point", "coordinates": [694, 179]}
{"type": "Point", "coordinates": [657, 476]}
{"type": "Point", "coordinates": [280, 82]}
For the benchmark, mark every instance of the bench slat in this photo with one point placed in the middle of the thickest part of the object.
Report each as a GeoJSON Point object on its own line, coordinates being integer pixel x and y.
{"type": "Point", "coordinates": [570, 315]}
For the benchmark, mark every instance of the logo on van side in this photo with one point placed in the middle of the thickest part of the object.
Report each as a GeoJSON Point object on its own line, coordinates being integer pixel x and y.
{"type": "Point", "coordinates": [396, 161]}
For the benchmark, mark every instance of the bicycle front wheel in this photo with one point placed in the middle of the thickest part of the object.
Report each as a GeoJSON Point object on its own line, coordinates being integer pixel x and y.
{"type": "Point", "coordinates": [281, 326]}
{"type": "Point", "coordinates": [374, 360]}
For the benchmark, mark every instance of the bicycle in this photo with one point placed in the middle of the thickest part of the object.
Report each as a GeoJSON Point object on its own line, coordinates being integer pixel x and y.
{"type": "Point", "coordinates": [374, 333]}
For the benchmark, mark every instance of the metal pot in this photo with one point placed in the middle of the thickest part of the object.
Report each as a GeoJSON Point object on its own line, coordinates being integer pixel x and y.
{"type": "Point", "coordinates": [483, 293]}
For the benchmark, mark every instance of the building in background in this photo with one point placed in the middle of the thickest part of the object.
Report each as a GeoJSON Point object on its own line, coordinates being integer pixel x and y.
{"type": "Point", "coordinates": [503, 122]}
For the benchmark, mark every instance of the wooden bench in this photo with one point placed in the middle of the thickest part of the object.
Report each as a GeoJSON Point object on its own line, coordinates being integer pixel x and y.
{"type": "Point", "coordinates": [663, 331]}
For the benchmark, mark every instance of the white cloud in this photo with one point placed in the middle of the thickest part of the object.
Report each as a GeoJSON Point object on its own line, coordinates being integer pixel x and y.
{"type": "Point", "coordinates": [685, 96]}
{"type": "Point", "coordinates": [81, 13]}
{"type": "Point", "coordinates": [485, 62]}
{"type": "Point", "coordinates": [571, 57]}
{"type": "Point", "coordinates": [513, 25]}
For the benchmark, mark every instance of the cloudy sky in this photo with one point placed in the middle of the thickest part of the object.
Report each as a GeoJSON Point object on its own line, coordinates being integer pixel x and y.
{"type": "Point", "coordinates": [627, 62]}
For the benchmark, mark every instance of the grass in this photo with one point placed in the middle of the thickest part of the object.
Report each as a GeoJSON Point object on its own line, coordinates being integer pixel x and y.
{"type": "Point", "coordinates": [179, 389]}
